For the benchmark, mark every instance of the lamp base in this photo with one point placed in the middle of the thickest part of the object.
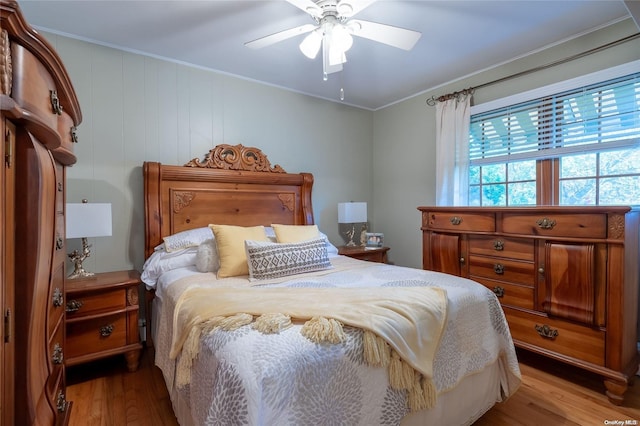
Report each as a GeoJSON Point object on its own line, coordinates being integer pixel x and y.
{"type": "Point", "coordinates": [77, 258]}
{"type": "Point", "coordinates": [350, 233]}
{"type": "Point", "coordinates": [80, 273]}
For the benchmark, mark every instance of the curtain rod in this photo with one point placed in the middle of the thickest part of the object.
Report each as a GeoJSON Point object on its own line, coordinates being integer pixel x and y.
{"type": "Point", "coordinates": [432, 101]}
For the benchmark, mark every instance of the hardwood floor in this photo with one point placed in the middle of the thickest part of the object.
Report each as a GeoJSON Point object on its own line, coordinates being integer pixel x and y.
{"type": "Point", "coordinates": [105, 394]}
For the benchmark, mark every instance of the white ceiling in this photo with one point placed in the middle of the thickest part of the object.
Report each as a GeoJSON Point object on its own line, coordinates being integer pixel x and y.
{"type": "Point", "coordinates": [459, 38]}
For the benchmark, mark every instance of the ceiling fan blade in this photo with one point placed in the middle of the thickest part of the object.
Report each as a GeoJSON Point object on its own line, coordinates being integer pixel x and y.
{"type": "Point", "coordinates": [307, 6]}
{"type": "Point", "coordinates": [348, 8]}
{"type": "Point", "coordinates": [279, 36]}
{"type": "Point", "coordinates": [387, 34]}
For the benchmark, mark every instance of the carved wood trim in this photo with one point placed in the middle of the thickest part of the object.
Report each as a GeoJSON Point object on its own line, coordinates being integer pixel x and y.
{"type": "Point", "coordinates": [616, 226]}
{"type": "Point", "coordinates": [6, 73]}
{"type": "Point", "coordinates": [132, 296]}
{"type": "Point", "coordinates": [288, 201]}
{"type": "Point", "coordinates": [236, 157]}
{"type": "Point", "coordinates": [182, 199]}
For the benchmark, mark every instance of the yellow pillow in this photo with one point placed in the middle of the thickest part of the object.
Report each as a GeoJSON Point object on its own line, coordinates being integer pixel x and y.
{"type": "Point", "coordinates": [295, 233]}
{"type": "Point", "coordinates": [230, 241]}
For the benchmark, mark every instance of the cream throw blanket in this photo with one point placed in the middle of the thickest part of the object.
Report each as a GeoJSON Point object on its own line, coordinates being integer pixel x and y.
{"type": "Point", "coordinates": [408, 319]}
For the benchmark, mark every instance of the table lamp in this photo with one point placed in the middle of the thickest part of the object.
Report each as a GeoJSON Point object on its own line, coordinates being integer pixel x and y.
{"type": "Point", "coordinates": [352, 213]}
{"type": "Point", "coordinates": [84, 220]}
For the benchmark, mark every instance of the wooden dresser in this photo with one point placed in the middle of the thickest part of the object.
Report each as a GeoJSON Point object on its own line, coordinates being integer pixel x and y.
{"type": "Point", "coordinates": [39, 113]}
{"type": "Point", "coordinates": [567, 278]}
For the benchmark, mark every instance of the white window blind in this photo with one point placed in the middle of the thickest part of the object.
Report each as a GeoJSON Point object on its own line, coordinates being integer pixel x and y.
{"type": "Point", "coordinates": [596, 117]}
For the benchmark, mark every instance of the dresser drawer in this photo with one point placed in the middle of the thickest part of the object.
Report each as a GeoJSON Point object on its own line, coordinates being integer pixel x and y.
{"type": "Point", "coordinates": [457, 221]}
{"type": "Point", "coordinates": [59, 242]}
{"type": "Point", "coordinates": [60, 403]}
{"type": "Point", "coordinates": [56, 359]}
{"type": "Point", "coordinates": [83, 304]}
{"type": "Point", "coordinates": [556, 225]}
{"type": "Point", "coordinates": [520, 296]}
{"type": "Point", "coordinates": [514, 271]}
{"type": "Point", "coordinates": [34, 92]}
{"type": "Point", "coordinates": [56, 299]}
{"type": "Point", "coordinates": [572, 340]}
{"type": "Point", "coordinates": [513, 248]}
{"type": "Point", "coordinates": [96, 334]}
{"type": "Point", "coordinates": [67, 132]}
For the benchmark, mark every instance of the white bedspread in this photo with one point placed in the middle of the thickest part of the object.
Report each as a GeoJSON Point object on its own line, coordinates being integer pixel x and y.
{"type": "Point", "coordinates": [244, 377]}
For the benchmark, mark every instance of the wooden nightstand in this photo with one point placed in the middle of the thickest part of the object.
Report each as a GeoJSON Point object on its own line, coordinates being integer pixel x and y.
{"type": "Point", "coordinates": [102, 318]}
{"type": "Point", "coordinates": [369, 254]}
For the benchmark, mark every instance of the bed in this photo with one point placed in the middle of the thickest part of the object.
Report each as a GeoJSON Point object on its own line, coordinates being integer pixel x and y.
{"type": "Point", "coordinates": [318, 338]}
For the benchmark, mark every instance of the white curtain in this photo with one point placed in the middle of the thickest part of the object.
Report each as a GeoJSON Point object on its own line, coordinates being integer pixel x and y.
{"type": "Point", "coordinates": [452, 151]}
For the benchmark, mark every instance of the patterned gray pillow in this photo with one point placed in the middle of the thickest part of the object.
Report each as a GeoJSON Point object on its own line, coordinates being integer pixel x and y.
{"type": "Point", "coordinates": [268, 260]}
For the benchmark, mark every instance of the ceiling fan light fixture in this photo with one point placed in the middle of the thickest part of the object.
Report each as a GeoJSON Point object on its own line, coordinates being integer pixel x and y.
{"type": "Point", "coordinates": [340, 38]}
{"type": "Point", "coordinates": [311, 44]}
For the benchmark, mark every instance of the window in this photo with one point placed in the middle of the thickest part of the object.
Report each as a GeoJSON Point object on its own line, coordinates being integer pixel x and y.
{"type": "Point", "coordinates": [576, 147]}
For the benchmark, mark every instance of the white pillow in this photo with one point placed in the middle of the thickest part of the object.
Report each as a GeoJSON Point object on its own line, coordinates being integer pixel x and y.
{"type": "Point", "coordinates": [207, 259]}
{"type": "Point", "coordinates": [188, 238]}
{"type": "Point", "coordinates": [162, 261]}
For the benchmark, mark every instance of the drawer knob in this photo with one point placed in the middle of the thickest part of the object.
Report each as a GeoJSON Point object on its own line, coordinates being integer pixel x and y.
{"type": "Point", "coordinates": [56, 106]}
{"type": "Point", "coordinates": [498, 245]}
{"type": "Point", "coordinates": [106, 330]}
{"type": "Point", "coordinates": [498, 291]}
{"type": "Point", "coordinates": [462, 260]}
{"type": "Point", "coordinates": [57, 356]}
{"type": "Point", "coordinates": [498, 269]}
{"type": "Point", "coordinates": [541, 270]}
{"type": "Point", "coordinates": [73, 305]}
{"type": "Point", "coordinates": [455, 220]}
{"type": "Point", "coordinates": [59, 243]}
{"type": "Point", "coordinates": [546, 331]}
{"type": "Point", "coordinates": [61, 403]}
{"type": "Point", "coordinates": [546, 223]}
{"type": "Point", "coordinates": [58, 298]}
{"type": "Point", "coordinates": [74, 134]}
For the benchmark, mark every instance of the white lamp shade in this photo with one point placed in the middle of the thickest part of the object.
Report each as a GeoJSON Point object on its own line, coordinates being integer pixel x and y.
{"type": "Point", "coordinates": [311, 44]}
{"type": "Point", "coordinates": [88, 220]}
{"type": "Point", "coordinates": [352, 212]}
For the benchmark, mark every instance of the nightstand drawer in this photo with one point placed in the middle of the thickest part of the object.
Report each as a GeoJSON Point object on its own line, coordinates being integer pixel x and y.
{"type": "Point", "coordinates": [79, 305]}
{"type": "Point", "coordinates": [373, 257]}
{"type": "Point", "coordinates": [377, 254]}
{"type": "Point", "coordinates": [96, 334]}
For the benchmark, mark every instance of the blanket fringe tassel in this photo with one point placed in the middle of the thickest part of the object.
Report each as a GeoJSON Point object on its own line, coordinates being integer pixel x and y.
{"type": "Point", "coordinates": [321, 329]}
{"type": "Point", "coordinates": [272, 323]}
{"type": "Point", "coordinates": [191, 345]}
{"type": "Point", "coordinates": [421, 392]}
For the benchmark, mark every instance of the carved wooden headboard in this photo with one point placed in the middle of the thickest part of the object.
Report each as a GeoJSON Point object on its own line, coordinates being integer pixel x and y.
{"type": "Point", "coordinates": [234, 185]}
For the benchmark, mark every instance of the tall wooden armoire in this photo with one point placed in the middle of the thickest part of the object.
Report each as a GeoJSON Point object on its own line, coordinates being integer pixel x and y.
{"type": "Point", "coordinates": [39, 114]}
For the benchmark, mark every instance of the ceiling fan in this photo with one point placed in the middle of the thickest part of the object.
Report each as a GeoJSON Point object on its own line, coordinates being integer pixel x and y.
{"type": "Point", "coordinates": [333, 32]}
